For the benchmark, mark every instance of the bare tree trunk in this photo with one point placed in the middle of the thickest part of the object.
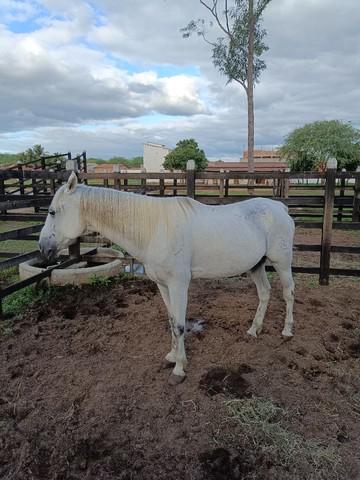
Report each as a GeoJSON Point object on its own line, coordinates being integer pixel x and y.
{"type": "Point", "coordinates": [250, 92]}
{"type": "Point", "coordinates": [250, 99]}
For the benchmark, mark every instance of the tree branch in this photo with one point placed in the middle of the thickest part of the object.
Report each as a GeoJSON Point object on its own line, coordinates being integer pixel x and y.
{"type": "Point", "coordinates": [261, 7]}
{"type": "Point", "coordinates": [241, 83]}
{"type": "Point", "coordinates": [202, 34]}
{"type": "Point", "coordinates": [214, 13]}
{"type": "Point", "coordinates": [226, 15]}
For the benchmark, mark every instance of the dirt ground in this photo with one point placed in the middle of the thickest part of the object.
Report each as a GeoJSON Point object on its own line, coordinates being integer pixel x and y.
{"type": "Point", "coordinates": [84, 394]}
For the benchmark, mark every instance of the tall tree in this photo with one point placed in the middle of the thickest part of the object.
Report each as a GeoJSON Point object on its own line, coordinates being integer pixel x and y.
{"type": "Point", "coordinates": [309, 147]}
{"type": "Point", "coordinates": [237, 52]}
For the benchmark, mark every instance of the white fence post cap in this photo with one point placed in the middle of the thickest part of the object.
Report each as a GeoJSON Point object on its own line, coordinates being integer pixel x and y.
{"type": "Point", "coordinates": [71, 165]}
{"type": "Point", "coordinates": [331, 163]}
{"type": "Point", "coordinates": [190, 165]}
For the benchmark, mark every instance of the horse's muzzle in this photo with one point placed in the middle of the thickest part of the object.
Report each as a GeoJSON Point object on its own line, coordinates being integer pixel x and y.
{"type": "Point", "coordinates": [48, 248]}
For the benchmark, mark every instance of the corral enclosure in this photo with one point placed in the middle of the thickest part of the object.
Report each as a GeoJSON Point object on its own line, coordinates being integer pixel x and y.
{"type": "Point", "coordinates": [84, 393]}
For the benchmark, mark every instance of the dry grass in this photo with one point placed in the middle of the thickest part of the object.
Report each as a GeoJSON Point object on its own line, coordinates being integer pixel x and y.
{"type": "Point", "coordinates": [263, 425]}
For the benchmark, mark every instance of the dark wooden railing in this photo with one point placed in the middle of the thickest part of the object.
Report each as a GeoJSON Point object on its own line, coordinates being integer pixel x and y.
{"type": "Point", "coordinates": [332, 202]}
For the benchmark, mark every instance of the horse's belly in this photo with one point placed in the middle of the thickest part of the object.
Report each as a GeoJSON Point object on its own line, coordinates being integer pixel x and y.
{"type": "Point", "coordinates": [231, 256]}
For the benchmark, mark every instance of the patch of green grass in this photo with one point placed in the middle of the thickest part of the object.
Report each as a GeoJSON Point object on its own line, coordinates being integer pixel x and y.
{"type": "Point", "coordinates": [100, 280]}
{"type": "Point", "coordinates": [9, 275]}
{"type": "Point", "coordinates": [262, 423]}
{"type": "Point", "coordinates": [7, 226]}
{"type": "Point", "coordinates": [270, 276]}
{"type": "Point", "coordinates": [126, 277]}
{"type": "Point", "coordinates": [118, 248]}
{"type": "Point", "coordinates": [313, 282]}
{"type": "Point", "coordinates": [17, 302]}
{"type": "Point", "coordinates": [19, 246]}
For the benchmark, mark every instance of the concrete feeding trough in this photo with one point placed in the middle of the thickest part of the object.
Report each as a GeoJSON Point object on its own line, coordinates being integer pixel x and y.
{"type": "Point", "coordinates": [106, 263]}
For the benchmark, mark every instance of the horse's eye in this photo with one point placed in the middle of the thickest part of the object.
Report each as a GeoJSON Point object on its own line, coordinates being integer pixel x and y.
{"type": "Point", "coordinates": [52, 213]}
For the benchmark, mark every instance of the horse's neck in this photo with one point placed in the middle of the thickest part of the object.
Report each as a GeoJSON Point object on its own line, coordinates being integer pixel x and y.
{"type": "Point", "coordinates": [125, 219]}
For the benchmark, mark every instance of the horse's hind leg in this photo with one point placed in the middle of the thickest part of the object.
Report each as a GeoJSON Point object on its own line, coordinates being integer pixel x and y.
{"type": "Point", "coordinates": [263, 289]}
{"type": "Point", "coordinates": [175, 299]}
{"type": "Point", "coordinates": [171, 356]}
{"type": "Point", "coordinates": [280, 255]}
{"type": "Point", "coordinates": [287, 282]}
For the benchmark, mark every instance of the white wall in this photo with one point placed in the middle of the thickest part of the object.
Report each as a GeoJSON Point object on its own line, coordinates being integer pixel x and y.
{"type": "Point", "coordinates": [154, 155]}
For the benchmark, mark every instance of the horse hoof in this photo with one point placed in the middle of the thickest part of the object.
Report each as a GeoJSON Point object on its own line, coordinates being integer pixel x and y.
{"type": "Point", "coordinates": [252, 333]}
{"type": "Point", "coordinates": [175, 379]}
{"type": "Point", "coordinates": [287, 335]}
{"type": "Point", "coordinates": [166, 364]}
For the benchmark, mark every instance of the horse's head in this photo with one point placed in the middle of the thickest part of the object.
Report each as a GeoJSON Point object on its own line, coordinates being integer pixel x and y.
{"type": "Point", "coordinates": [64, 223]}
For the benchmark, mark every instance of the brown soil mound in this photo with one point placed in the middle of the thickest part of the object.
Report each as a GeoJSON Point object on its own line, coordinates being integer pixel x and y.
{"type": "Point", "coordinates": [83, 394]}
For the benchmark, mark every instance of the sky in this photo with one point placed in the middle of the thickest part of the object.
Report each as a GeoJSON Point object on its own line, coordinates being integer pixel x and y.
{"type": "Point", "coordinates": [106, 76]}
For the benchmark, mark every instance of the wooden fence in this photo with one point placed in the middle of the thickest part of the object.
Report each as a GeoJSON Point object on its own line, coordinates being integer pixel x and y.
{"type": "Point", "coordinates": [326, 201]}
{"type": "Point", "coordinates": [52, 163]}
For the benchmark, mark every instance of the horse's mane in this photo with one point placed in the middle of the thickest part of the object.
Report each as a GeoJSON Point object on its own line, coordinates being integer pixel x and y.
{"type": "Point", "coordinates": [137, 216]}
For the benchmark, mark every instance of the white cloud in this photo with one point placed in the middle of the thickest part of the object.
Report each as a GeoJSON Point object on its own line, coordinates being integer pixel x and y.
{"type": "Point", "coordinates": [73, 83]}
{"type": "Point", "coordinates": [17, 11]}
{"type": "Point", "coordinates": [89, 74]}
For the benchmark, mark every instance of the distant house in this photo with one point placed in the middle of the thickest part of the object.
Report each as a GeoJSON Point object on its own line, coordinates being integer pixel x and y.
{"type": "Point", "coordinates": [263, 156]}
{"type": "Point", "coordinates": [243, 166]}
{"type": "Point", "coordinates": [261, 166]}
{"type": "Point", "coordinates": [91, 167]}
{"type": "Point", "coordinates": [154, 156]}
{"type": "Point", "coordinates": [109, 168]}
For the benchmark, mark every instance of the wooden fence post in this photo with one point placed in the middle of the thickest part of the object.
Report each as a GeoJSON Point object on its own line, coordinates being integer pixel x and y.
{"type": "Point", "coordinates": [21, 178]}
{"type": "Point", "coordinates": [327, 221]}
{"type": "Point", "coordinates": [84, 165]}
{"type": "Point", "coordinates": [58, 168]}
{"type": "Point", "coordinates": [286, 184]}
{"type": "Point", "coordinates": [226, 186]}
{"type": "Point", "coordinates": [221, 184]}
{"type": "Point", "coordinates": [74, 249]}
{"type": "Point", "coordinates": [117, 183]}
{"type": "Point", "coordinates": [52, 184]}
{"type": "Point", "coordinates": [35, 192]}
{"type": "Point", "coordinates": [190, 178]}
{"type": "Point", "coordinates": [43, 168]}
{"type": "Point", "coordinates": [143, 182]}
{"type": "Point", "coordinates": [2, 191]}
{"type": "Point", "coordinates": [162, 185]}
{"type": "Point", "coordinates": [341, 195]}
{"type": "Point", "coordinates": [356, 203]}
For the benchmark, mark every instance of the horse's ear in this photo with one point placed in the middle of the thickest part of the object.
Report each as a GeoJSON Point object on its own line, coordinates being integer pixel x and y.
{"type": "Point", "coordinates": [71, 183]}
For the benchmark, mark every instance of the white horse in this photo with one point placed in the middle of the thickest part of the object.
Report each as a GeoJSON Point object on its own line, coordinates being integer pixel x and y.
{"type": "Point", "coordinates": [178, 239]}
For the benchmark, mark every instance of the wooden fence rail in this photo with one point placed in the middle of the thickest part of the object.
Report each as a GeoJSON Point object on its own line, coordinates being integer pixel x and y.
{"type": "Point", "coordinates": [333, 202]}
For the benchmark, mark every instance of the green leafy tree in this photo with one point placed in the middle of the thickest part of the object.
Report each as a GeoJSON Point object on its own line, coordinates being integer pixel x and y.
{"type": "Point", "coordinates": [32, 154]}
{"type": "Point", "coordinates": [237, 52]}
{"type": "Point", "coordinates": [309, 147]}
{"type": "Point", "coordinates": [185, 150]}
{"type": "Point", "coordinates": [136, 162]}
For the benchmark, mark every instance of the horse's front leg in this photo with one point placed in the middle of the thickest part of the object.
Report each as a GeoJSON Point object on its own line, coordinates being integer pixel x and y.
{"type": "Point", "coordinates": [178, 294]}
